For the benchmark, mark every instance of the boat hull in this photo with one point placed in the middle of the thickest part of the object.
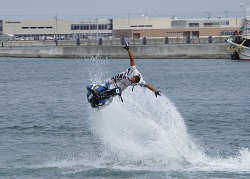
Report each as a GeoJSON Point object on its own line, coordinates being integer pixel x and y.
{"type": "Point", "coordinates": [238, 51]}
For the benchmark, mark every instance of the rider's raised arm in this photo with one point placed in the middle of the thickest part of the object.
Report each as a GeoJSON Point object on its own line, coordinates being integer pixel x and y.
{"type": "Point", "coordinates": [127, 47]}
{"type": "Point", "coordinates": [132, 62]}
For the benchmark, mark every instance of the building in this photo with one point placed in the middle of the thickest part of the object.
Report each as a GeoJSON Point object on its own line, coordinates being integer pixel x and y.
{"type": "Point", "coordinates": [52, 28]}
{"type": "Point", "coordinates": [168, 27]}
{"type": "Point", "coordinates": [135, 28]}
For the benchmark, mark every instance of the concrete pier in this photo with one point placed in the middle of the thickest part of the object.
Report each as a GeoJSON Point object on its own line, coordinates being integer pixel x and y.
{"type": "Point", "coordinates": [166, 51]}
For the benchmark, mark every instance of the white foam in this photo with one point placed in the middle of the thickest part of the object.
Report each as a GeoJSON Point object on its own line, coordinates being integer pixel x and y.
{"type": "Point", "coordinates": [145, 129]}
{"type": "Point", "coordinates": [145, 132]}
{"type": "Point", "coordinates": [96, 72]}
{"type": "Point", "coordinates": [237, 163]}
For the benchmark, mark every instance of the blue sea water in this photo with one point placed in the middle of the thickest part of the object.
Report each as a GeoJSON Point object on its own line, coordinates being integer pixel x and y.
{"type": "Point", "coordinates": [198, 128]}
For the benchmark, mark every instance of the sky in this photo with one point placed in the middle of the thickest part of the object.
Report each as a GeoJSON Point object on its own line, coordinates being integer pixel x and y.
{"type": "Point", "coordinates": [105, 9]}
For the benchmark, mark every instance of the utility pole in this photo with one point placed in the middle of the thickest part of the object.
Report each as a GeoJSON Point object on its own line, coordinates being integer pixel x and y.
{"type": "Point", "coordinates": [56, 30]}
{"type": "Point", "coordinates": [226, 12]}
{"type": "Point", "coordinates": [97, 28]}
{"type": "Point", "coordinates": [208, 15]}
{"type": "Point", "coordinates": [129, 20]}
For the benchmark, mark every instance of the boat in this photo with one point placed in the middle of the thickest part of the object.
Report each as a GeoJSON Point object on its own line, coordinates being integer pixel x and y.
{"type": "Point", "coordinates": [239, 48]}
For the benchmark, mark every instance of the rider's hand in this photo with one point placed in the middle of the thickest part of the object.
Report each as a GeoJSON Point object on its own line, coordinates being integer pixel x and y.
{"type": "Point", "coordinates": [126, 46]}
{"type": "Point", "coordinates": [157, 93]}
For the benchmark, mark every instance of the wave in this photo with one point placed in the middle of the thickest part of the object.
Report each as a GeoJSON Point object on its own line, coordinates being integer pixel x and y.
{"type": "Point", "coordinates": [145, 132]}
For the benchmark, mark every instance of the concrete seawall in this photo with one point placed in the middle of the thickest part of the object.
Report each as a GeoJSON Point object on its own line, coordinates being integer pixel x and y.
{"type": "Point", "coordinates": [198, 51]}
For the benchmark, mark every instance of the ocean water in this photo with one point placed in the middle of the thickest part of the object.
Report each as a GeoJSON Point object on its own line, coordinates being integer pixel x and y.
{"type": "Point", "coordinates": [198, 128]}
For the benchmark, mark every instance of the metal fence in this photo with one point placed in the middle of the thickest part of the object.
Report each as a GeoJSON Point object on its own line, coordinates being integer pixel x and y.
{"type": "Point", "coordinates": [115, 41]}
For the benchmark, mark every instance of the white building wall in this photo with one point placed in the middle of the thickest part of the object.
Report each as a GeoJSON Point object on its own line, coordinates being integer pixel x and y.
{"type": "Point", "coordinates": [131, 23]}
{"type": "Point", "coordinates": [50, 26]}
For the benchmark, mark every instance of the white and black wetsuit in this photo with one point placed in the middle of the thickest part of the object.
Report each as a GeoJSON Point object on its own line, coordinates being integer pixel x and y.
{"type": "Point", "coordinates": [123, 79]}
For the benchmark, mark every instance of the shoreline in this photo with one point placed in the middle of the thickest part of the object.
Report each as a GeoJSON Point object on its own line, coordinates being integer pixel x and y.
{"type": "Point", "coordinates": [169, 51]}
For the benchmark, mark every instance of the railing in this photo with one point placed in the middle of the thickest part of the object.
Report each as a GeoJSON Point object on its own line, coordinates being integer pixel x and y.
{"type": "Point", "coordinates": [108, 42]}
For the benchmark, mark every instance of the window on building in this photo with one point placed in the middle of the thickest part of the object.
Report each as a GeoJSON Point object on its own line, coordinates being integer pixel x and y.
{"type": "Point", "coordinates": [224, 22]}
{"type": "Point", "coordinates": [84, 27]}
{"type": "Point", "coordinates": [78, 27]}
{"type": "Point", "coordinates": [12, 22]}
{"type": "Point", "coordinates": [109, 26]}
{"type": "Point", "coordinates": [211, 24]}
{"type": "Point", "coordinates": [93, 26]}
{"type": "Point", "coordinates": [226, 33]}
{"type": "Point", "coordinates": [194, 24]}
{"type": "Point", "coordinates": [75, 26]}
{"type": "Point", "coordinates": [178, 23]}
{"type": "Point", "coordinates": [141, 26]}
{"type": "Point", "coordinates": [101, 26]}
{"type": "Point", "coordinates": [195, 33]}
{"type": "Point", "coordinates": [177, 32]}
